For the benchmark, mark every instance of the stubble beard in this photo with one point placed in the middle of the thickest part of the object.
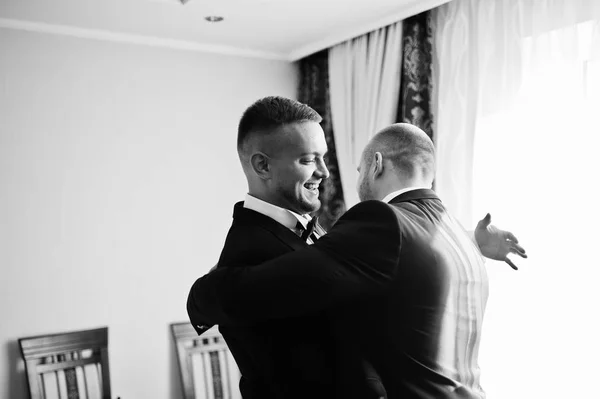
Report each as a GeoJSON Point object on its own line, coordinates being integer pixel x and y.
{"type": "Point", "coordinates": [301, 205]}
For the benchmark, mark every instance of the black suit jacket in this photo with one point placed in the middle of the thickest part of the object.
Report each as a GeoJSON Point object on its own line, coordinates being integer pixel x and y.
{"type": "Point", "coordinates": [293, 357]}
{"type": "Point", "coordinates": [405, 286]}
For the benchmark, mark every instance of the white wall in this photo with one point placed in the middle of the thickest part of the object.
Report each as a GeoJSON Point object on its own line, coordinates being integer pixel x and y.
{"type": "Point", "coordinates": [118, 173]}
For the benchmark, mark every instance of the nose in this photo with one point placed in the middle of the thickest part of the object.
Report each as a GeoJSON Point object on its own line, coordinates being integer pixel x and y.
{"type": "Point", "coordinates": [322, 170]}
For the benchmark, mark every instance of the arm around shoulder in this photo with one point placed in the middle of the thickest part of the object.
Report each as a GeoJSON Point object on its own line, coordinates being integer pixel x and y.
{"type": "Point", "coordinates": [358, 257]}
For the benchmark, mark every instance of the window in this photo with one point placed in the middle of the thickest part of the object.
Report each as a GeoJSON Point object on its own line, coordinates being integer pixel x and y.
{"type": "Point", "coordinates": [537, 170]}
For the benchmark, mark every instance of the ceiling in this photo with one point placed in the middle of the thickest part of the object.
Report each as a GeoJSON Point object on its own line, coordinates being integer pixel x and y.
{"type": "Point", "coordinates": [273, 29]}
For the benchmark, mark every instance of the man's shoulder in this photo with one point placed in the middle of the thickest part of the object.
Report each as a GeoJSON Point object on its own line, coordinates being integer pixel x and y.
{"type": "Point", "coordinates": [369, 207]}
{"type": "Point", "coordinates": [367, 220]}
{"type": "Point", "coordinates": [241, 214]}
{"type": "Point", "coordinates": [373, 212]}
{"type": "Point", "coordinates": [251, 226]}
{"type": "Point", "coordinates": [246, 238]}
{"type": "Point", "coordinates": [253, 243]}
{"type": "Point", "coordinates": [248, 223]}
{"type": "Point", "coordinates": [418, 211]}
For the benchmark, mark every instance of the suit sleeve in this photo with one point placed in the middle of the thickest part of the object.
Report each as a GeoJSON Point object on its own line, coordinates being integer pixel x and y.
{"type": "Point", "coordinates": [358, 257]}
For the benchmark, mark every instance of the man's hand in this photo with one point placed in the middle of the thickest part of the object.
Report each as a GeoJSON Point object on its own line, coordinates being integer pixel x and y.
{"type": "Point", "coordinates": [495, 243]}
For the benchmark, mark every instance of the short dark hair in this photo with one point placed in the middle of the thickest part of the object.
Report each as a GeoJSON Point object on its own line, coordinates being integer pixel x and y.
{"type": "Point", "coordinates": [272, 112]}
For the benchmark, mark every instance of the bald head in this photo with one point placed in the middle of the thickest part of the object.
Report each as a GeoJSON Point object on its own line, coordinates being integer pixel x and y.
{"type": "Point", "coordinates": [399, 156]}
{"type": "Point", "coordinates": [408, 149]}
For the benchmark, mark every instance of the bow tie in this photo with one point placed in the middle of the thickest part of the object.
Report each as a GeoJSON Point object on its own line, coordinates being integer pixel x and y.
{"type": "Point", "coordinates": [310, 228]}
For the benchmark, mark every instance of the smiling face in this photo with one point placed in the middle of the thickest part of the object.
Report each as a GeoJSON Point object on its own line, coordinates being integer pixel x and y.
{"type": "Point", "coordinates": [298, 167]}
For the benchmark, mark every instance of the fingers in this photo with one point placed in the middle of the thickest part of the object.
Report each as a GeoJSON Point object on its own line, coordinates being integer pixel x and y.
{"type": "Point", "coordinates": [511, 264]}
{"type": "Point", "coordinates": [519, 250]}
{"type": "Point", "coordinates": [485, 222]}
{"type": "Point", "coordinates": [514, 246]}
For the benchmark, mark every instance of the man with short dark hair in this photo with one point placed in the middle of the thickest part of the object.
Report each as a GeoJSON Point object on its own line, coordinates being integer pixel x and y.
{"type": "Point", "coordinates": [281, 148]}
{"type": "Point", "coordinates": [403, 283]}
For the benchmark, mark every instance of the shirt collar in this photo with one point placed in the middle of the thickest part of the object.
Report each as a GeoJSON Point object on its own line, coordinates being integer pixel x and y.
{"type": "Point", "coordinates": [396, 193]}
{"type": "Point", "coordinates": [283, 216]}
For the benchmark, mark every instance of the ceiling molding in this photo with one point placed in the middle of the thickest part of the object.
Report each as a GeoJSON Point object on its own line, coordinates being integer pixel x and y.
{"type": "Point", "coordinates": [119, 37]}
{"type": "Point", "coordinates": [410, 7]}
{"type": "Point", "coordinates": [414, 8]}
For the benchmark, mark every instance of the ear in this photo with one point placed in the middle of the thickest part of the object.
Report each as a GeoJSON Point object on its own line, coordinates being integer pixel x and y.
{"type": "Point", "coordinates": [378, 165]}
{"type": "Point", "coordinates": [261, 165]}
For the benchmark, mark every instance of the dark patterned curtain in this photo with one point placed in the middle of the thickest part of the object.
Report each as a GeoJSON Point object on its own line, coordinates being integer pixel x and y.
{"type": "Point", "coordinates": [416, 82]}
{"type": "Point", "coordinates": [314, 91]}
{"type": "Point", "coordinates": [414, 105]}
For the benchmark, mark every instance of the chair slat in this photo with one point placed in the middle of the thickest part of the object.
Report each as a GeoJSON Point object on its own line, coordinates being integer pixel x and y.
{"type": "Point", "coordinates": [93, 384]}
{"type": "Point", "coordinates": [62, 383]}
{"type": "Point", "coordinates": [43, 368]}
{"type": "Point", "coordinates": [234, 376]}
{"type": "Point", "coordinates": [225, 380]}
{"type": "Point", "coordinates": [208, 376]}
{"type": "Point", "coordinates": [81, 385]}
{"type": "Point", "coordinates": [199, 388]}
{"type": "Point", "coordinates": [50, 383]}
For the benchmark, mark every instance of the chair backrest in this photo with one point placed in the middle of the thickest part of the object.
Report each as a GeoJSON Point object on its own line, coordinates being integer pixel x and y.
{"type": "Point", "coordinates": [207, 368]}
{"type": "Point", "coordinates": [67, 365]}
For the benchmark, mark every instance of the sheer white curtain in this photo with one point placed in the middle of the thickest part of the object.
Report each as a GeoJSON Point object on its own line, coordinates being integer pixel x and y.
{"type": "Point", "coordinates": [518, 133]}
{"type": "Point", "coordinates": [364, 83]}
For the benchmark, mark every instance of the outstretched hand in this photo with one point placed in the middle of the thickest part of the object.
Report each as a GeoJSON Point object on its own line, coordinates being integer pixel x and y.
{"type": "Point", "coordinates": [497, 244]}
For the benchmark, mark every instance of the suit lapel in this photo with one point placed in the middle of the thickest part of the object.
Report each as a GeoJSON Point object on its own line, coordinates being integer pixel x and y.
{"type": "Point", "coordinates": [247, 216]}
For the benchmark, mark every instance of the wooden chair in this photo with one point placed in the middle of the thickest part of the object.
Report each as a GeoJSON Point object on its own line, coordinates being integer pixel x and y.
{"type": "Point", "coordinates": [67, 365]}
{"type": "Point", "coordinates": [206, 366]}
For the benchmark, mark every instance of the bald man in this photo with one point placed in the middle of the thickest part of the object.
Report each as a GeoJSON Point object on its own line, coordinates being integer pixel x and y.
{"type": "Point", "coordinates": [403, 283]}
